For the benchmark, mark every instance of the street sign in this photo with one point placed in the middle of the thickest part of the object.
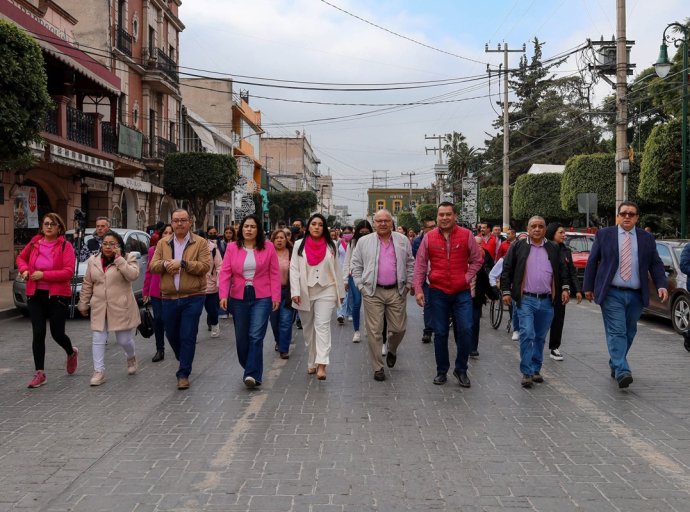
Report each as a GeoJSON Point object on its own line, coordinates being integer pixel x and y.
{"type": "Point", "coordinates": [587, 203]}
{"type": "Point", "coordinates": [470, 189]}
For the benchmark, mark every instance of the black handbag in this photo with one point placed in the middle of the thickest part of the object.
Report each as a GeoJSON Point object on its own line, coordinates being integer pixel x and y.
{"type": "Point", "coordinates": [146, 324]}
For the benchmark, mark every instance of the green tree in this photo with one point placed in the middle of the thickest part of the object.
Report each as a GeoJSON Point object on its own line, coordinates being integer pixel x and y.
{"type": "Point", "coordinates": [426, 211]}
{"type": "Point", "coordinates": [199, 178]}
{"type": "Point", "coordinates": [538, 194]}
{"type": "Point", "coordinates": [462, 158]}
{"type": "Point", "coordinates": [295, 205]}
{"type": "Point", "coordinates": [275, 213]}
{"type": "Point", "coordinates": [595, 173]}
{"type": "Point", "coordinates": [408, 219]}
{"type": "Point", "coordinates": [660, 175]}
{"type": "Point", "coordinates": [549, 119]}
{"type": "Point", "coordinates": [24, 100]}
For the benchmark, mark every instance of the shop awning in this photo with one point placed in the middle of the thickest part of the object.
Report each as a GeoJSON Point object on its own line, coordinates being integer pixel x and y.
{"type": "Point", "coordinates": [53, 41]}
{"type": "Point", "coordinates": [204, 134]}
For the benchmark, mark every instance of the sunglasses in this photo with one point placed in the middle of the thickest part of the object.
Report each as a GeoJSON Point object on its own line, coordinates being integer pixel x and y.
{"type": "Point", "coordinates": [628, 214]}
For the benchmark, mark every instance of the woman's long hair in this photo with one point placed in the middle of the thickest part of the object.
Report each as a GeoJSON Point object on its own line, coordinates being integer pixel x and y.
{"type": "Point", "coordinates": [260, 236]}
{"type": "Point", "coordinates": [325, 233]}
{"type": "Point", "coordinates": [360, 225]}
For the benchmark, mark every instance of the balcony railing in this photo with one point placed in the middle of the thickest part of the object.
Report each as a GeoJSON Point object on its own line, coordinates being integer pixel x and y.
{"type": "Point", "coordinates": [157, 59]}
{"type": "Point", "coordinates": [124, 41]}
{"type": "Point", "coordinates": [157, 147]}
{"type": "Point", "coordinates": [80, 127]}
{"type": "Point", "coordinates": [51, 121]}
{"type": "Point", "coordinates": [109, 138]}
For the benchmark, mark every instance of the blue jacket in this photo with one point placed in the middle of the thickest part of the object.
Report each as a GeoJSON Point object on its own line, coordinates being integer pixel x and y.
{"type": "Point", "coordinates": [603, 264]}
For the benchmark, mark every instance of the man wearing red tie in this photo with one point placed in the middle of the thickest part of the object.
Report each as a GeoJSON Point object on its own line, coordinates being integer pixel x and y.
{"type": "Point", "coordinates": [616, 278]}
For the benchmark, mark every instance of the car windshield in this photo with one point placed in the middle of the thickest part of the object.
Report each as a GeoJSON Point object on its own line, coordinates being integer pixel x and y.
{"type": "Point", "coordinates": [579, 243]}
{"type": "Point", "coordinates": [678, 250]}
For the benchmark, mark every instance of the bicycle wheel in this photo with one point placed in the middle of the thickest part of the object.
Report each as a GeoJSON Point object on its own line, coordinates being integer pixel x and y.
{"type": "Point", "coordinates": [496, 313]}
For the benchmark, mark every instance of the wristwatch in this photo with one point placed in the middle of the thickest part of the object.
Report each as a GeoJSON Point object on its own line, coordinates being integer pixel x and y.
{"type": "Point", "coordinates": [183, 264]}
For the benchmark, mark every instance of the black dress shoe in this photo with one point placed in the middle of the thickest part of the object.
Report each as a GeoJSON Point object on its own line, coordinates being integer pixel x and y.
{"type": "Point", "coordinates": [426, 338]}
{"type": "Point", "coordinates": [474, 354]}
{"type": "Point", "coordinates": [440, 379]}
{"type": "Point", "coordinates": [624, 380]}
{"type": "Point", "coordinates": [391, 358]}
{"type": "Point", "coordinates": [160, 355]}
{"type": "Point", "coordinates": [380, 375]}
{"type": "Point", "coordinates": [463, 379]}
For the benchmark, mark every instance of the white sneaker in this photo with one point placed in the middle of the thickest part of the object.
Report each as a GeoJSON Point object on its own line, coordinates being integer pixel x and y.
{"type": "Point", "coordinates": [356, 338]}
{"type": "Point", "coordinates": [556, 355]}
{"type": "Point", "coordinates": [349, 318]}
{"type": "Point", "coordinates": [383, 350]}
{"type": "Point", "coordinates": [215, 331]}
{"type": "Point", "coordinates": [250, 382]}
{"type": "Point", "coordinates": [97, 378]}
{"type": "Point", "coordinates": [516, 336]}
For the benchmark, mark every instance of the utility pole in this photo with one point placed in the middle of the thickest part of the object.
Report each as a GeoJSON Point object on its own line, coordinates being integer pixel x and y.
{"type": "Point", "coordinates": [622, 162]}
{"type": "Point", "coordinates": [410, 174]}
{"type": "Point", "coordinates": [440, 169]}
{"type": "Point", "coordinates": [506, 129]}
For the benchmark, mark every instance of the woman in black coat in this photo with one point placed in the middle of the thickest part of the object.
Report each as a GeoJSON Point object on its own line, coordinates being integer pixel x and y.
{"type": "Point", "coordinates": [555, 232]}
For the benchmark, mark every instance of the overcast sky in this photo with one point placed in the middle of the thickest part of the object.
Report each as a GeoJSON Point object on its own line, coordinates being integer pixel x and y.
{"type": "Point", "coordinates": [312, 41]}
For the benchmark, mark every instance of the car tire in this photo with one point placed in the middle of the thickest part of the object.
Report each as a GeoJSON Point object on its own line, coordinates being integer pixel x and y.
{"type": "Point", "coordinates": [680, 313]}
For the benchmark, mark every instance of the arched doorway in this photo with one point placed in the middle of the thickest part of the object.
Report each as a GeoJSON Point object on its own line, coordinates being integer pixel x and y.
{"type": "Point", "coordinates": [116, 217]}
{"type": "Point", "coordinates": [129, 205]}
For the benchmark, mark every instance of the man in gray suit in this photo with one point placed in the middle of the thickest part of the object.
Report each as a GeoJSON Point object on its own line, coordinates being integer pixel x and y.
{"type": "Point", "coordinates": [382, 267]}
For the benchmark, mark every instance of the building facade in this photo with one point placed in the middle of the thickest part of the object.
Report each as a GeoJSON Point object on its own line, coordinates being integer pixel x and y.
{"type": "Point", "coordinates": [292, 161]}
{"type": "Point", "coordinates": [395, 200]}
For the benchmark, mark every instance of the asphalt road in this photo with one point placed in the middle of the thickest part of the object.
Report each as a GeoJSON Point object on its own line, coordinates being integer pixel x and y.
{"type": "Point", "coordinates": [349, 443]}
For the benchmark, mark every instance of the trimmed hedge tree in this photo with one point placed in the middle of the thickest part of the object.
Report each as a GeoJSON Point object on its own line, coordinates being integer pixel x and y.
{"type": "Point", "coordinates": [199, 178]}
{"type": "Point", "coordinates": [538, 194]}
{"type": "Point", "coordinates": [660, 176]}
{"type": "Point", "coordinates": [490, 204]}
{"type": "Point", "coordinates": [595, 173]}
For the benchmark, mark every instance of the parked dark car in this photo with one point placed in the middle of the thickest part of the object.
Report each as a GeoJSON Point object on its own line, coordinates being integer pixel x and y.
{"type": "Point", "coordinates": [677, 309]}
{"type": "Point", "coordinates": [136, 242]}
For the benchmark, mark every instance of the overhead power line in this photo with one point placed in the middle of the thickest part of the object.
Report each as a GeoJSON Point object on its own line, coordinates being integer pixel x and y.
{"type": "Point", "coordinates": [402, 36]}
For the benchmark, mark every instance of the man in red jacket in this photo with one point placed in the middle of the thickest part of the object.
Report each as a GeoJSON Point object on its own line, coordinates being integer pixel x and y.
{"type": "Point", "coordinates": [451, 258]}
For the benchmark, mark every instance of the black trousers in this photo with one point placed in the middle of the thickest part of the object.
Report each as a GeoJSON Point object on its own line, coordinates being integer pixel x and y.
{"type": "Point", "coordinates": [53, 310]}
{"type": "Point", "coordinates": [556, 332]}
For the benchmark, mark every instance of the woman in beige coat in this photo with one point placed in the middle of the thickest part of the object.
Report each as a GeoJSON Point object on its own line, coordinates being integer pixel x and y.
{"type": "Point", "coordinates": [107, 290]}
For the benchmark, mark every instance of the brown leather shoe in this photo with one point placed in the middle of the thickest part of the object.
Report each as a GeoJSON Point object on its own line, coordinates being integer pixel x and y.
{"type": "Point", "coordinates": [321, 372]}
{"type": "Point", "coordinates": [284, 355]}
{"type": "Point", "coordinates": [183, 383]}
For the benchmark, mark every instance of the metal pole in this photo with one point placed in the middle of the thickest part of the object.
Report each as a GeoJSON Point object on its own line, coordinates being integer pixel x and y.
{"type": "Point", "coordinates": [506, 142]}
{"type": "Point", "coordinates": [621, 100]}
{"type": "Point", "coordinates": [684, 139]}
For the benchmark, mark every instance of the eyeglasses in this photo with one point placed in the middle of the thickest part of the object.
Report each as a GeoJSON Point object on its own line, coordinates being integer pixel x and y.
{"type": "Point", "coordinates": [110, 244]}
{"type": "Point", "coordinates": [50, 224]}
{"type": "Point", "coordinates": [179, 221]}
{"type": "Point", "coordinates": [627, 214]}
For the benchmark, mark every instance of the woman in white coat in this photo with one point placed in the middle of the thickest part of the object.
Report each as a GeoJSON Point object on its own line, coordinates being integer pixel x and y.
{"type": "Point", "coordinates": [316, 287]}
{"type": "Point", "coordinates": [107, 290]}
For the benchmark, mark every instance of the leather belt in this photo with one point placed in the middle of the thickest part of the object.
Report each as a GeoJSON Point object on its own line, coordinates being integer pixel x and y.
{"type": "Point", "coordinates": [538, 295]}
{"type": "Point", "coordinates": [387, 286]}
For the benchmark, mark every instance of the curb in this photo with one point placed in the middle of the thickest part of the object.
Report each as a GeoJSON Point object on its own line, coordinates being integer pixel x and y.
{"type": "Point", "coordinates": [9, 313]}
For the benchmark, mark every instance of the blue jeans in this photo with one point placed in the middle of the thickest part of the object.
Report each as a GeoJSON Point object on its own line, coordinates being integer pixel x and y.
{"type": "Point", "coordinates": [442, 307]}
{"type": "Point", "coordinates": [515, 319]}
{"type": "Point", "coordinates": [428, 326]}
{"type": "Point", "coordinates": [281, 322]}
{"type": "Point", "coordinates": [621, 310]}
{"type": "Point", "coordinates": [356, 296]}
{"type": "Point", "coordinates": [345, 309]}
{"type": "Point", "coordinates": [211, 307]}
{"type": "Point", "coordinates": [181, 318]}
{"type": "Point", "coordinates": [535, 317]}
{"type": "Point", "coordinates": [250, 316]}
{"type": "Point", "coordinates": [158, 323]}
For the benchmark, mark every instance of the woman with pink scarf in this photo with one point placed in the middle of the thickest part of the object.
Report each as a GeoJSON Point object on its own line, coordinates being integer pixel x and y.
{"type": "Point", "coordinates": [316, 287]}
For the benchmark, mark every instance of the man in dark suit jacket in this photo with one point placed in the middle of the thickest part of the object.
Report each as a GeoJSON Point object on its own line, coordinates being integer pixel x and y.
{"type": "Point", "coordinates": [616, 278]}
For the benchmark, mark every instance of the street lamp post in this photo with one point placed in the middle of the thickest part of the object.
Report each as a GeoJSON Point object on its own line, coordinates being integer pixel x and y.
{"type": "Point", "coordinates": [663, 66]}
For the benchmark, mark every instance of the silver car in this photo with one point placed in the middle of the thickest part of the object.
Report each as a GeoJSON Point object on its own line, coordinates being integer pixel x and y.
{"type": "Point", "coordinates": [136, 242]}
